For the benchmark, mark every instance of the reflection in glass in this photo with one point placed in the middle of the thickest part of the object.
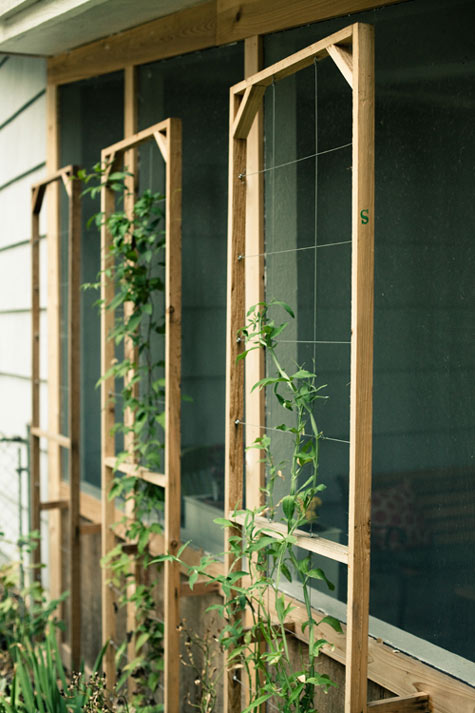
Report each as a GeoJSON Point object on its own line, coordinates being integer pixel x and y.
{"type": "Point", "coordinates": [423, 524]}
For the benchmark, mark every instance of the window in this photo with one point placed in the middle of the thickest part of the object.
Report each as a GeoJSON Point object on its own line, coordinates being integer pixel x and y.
{"type": "Point", "coordinates": [423, 431]}
{"type": "Point", "coordinates": [90, 117]}
{"type": "Point", "coordinates": [196, 89]}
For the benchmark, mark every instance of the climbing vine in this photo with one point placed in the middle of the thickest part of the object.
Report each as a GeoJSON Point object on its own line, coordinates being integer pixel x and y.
{"type": "Point", "coordinates": [135, 265]}
{"type": "Point", "coordinates": [255, 612]}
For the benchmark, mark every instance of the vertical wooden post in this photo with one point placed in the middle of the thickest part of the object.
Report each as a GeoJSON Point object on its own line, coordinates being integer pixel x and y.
{"type": "Point", "coordinates": [361, 370]}
{"type": "Point", "coordinates": [56, 536]}
{"type": "Point", "coordinates": [254, 293]}
{"type": "Point", "coordinates": [172, 411]}
{"type": "Point", "coordinates": [74, 348]}
{"type": "Point", "coordinates": [131, 164]}
{"type": "Point", "coordinates": [254, 281]}
{"type": "Point", "coordinates": [107, 438]}
{"type": "Point", "coordinates": [234, 441]}
{"type": "Point", "coordinates": [35, 522]}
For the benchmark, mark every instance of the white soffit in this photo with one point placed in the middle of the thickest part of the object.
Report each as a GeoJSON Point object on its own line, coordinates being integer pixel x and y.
{"type": "Point", "coordinates": [48, 27]}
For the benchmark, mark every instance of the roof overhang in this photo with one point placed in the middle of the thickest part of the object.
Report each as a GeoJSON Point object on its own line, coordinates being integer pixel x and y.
{"type": "Point", "coordinates": [48, 27]}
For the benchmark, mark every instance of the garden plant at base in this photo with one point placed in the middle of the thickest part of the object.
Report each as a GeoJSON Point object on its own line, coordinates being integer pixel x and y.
{"type": "Point", "coordinates": [257, 649]}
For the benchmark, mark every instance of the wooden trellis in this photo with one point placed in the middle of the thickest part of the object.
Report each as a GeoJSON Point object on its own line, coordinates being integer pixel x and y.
{"type": "Point", "coordinates": [71, 553]}
{"type": "Point", "coordinates": [352, 50]}
{"type": "Point", "coordinates": [167, 135]}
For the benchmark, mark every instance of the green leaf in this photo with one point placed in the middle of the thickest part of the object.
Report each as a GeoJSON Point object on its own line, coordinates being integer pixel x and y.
{"type": "Point", "coordinates": [320, 574]}
{"type": "Point", "coordinates": [318, 645]}
{"type": "Point", "coordinates": [192, 579]}
{"type": "Point", "coordinates": [260, 543]}
{"type": "Point", "coordinates": [267, 381]}
{"type": "Point", "coordinates": [287, 308]}
{"type": "Point", "coordinates": [223, 521]}
{"type": "Point", "coordinates": [334, 623]}
{"type": "Point", "coordinates": [288, 506]}
{"type": "Point", "coordinates": [286, 572]}
{"type": "Point", "coordinates": [259, 701]}
{"type": "Point", "coordinates": [141, 640]}
{"type": "Point", "coordinates": [303, 374]}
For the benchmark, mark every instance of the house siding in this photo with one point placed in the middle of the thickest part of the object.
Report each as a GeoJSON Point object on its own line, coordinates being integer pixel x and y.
{"type": "Point", "coordinates": [22, 162]}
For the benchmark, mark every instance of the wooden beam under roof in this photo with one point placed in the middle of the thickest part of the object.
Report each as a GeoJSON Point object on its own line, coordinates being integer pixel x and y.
{"type": "Point", "coordinates": [209, 24]}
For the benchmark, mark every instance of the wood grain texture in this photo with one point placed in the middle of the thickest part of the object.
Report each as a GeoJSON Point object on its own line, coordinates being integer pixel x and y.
{"type": "Point", "coordinates": [54, 505]}
{"type": "Point", "coordinates": [162, 144]}
{"type": "Point", "coordinates": [417, 703]}
{"type": "Point", "coordinates": [173, 298]}
{"type": "Point", "coordinates": [254, 281]}
{"type": "Point", "coordinates": [253, 293]}
{"type": "Point", "coordinates": [361, 395]}
{"type": "Point", "coordinates": [343, 60]}
{"type": "Point", "coordinates": [179, 33]}
{"type": "Point", "coordinates": [74, 419]}
{"type": "Point", "coordinates": [238, 19]}
{"type": "Point", "coordinates": [209, 24]}
{"type": "Point", "coordinates": [55, 526]}
{"type": "Point", "coordinates": [90, 506]}
{"type": "Point", "coordinates": [295, 62]}
{"type": "Point", "coordinates": [130, 352]}
{"type": "Point", "coordinates": [90, 528]}
{"type": "Point", "coordinates": [107, 438]}
{"type": "Point", "coordinates": [319, 545]}
{"type": "Point", "coordinates": [35, 522]}
{"type": "Point", "coordinates": [134, 140]}
{"type": "Point", "coordinates": [251, 102]}
{"type": "Point", "coordinates": [63, 441]}
{"type": "Point", "coordinates": [136, 470]}
{"type": "Point", "coordinates": [234, 437]}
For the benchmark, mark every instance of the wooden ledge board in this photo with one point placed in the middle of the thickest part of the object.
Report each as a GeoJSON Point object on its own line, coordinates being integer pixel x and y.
{"type": "Point", "coordinates": [417, 703]}
{"type": "Point", "coordinates": [319, 545]}
{"type": "Point", "coordinates": [391, 669]}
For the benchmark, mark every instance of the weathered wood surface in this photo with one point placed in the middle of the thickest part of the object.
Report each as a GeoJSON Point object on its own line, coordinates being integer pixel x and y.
{"type": "Point", "coordinates": [361, 394]}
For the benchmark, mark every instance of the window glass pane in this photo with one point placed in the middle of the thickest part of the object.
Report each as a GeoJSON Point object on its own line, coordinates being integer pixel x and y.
{"type": "Point", "coordinates": [423, 446]}
{"type": "Point", "coordinates": [91, 118]}
{"type": "Point", "coordinates": [195, 88]}
{"type": "Point", "coordinates": [308, 265]}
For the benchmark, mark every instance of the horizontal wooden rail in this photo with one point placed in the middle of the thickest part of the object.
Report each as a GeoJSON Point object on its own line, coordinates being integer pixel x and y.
{"type": "Point", "coordinates": [417, 703]}
{"type": "Point", "coordinates": [63, 441]}
{"type": "Point", "coordinates": [54, 504]}
{"type": "Point", "coordinates": [319, 545]}
{"type": "Point", "coordinates": [135, 140]}
{"type": "Point", "coordinates": [56, 176]}
{"type": "Point", "coordinates": [295, 62]}
{"type": "Point", "coordinates": [137, 471]}
{"type": "Point", "coordinates": [90, 528]}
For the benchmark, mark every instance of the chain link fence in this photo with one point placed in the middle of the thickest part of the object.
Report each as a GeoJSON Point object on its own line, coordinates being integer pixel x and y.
{"type": "Point", "coordinates": [14, 495]}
